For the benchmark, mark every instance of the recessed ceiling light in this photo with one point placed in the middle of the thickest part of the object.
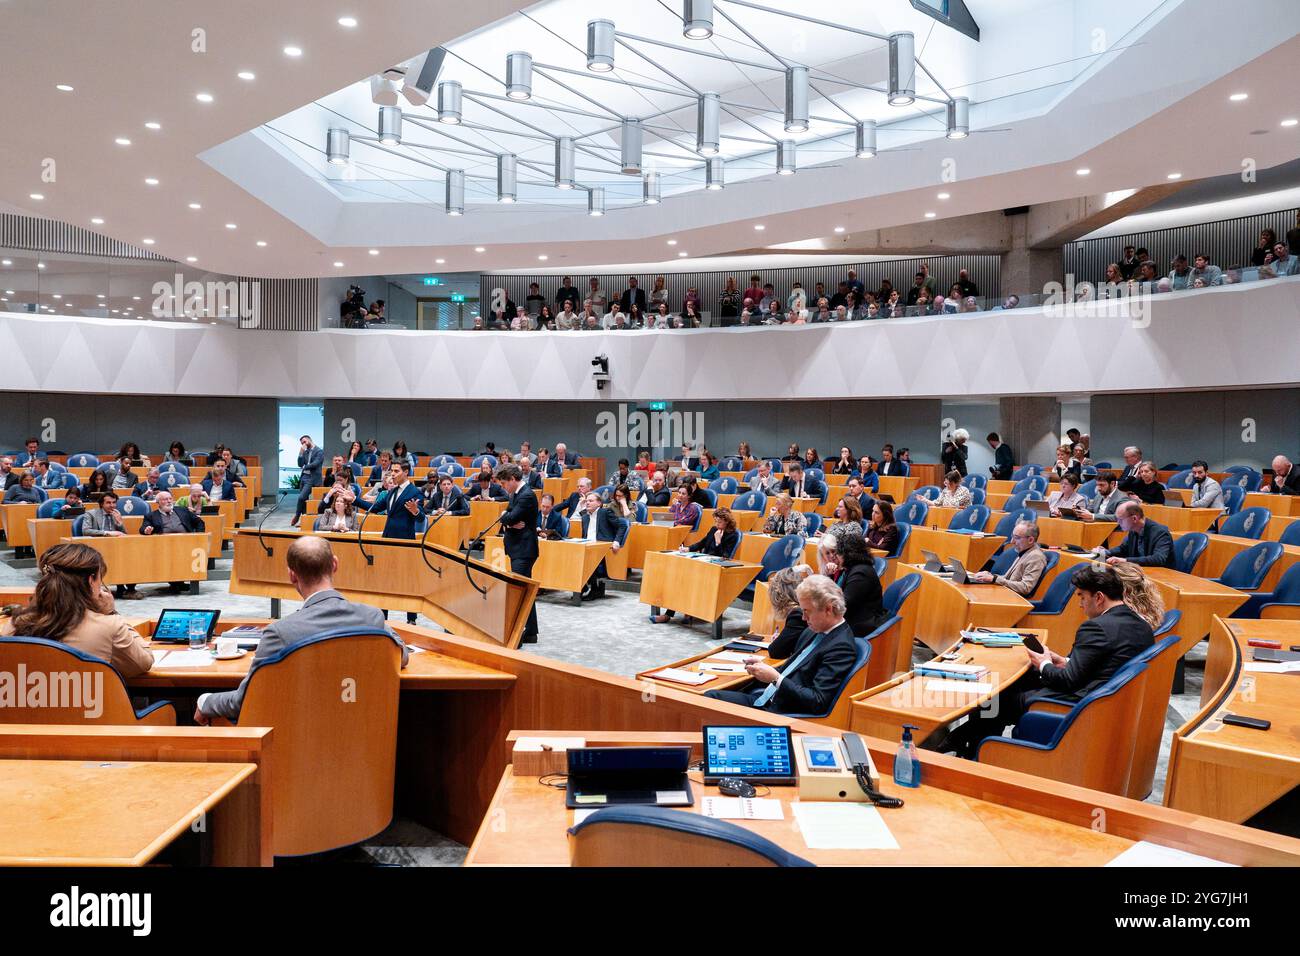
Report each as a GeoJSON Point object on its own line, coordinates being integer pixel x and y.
{"type": "Point", "coordinates": [99, 296]}
{"type": "Point", "coordinates": [261, 243]}
{"type": "Point", "coordinates": [152, 125]}
{"type": "Point", "coordinates": [57, 296]}
{"type": "Point", "coordinates": [151, 181]}
{"type": "Point", "coordinates": [40, 265]}
{"type": "Point", "coordinates": [1238, 97]}
{"type": "Point", "coordinates": [945, 195]}
{"type": "Point", "coordinates": [148, 242]}
{"type": "Point", "coordinates": [97, 221]}
{"type": "Point", "coordinates": [929, 215]}
{"type": "Point", "coordinates": [9, 292]}
{"type": "Point", "coordinates": [195, 205]}
{"type": "Point", "coordinates": [191, 258]}
{"type": "Point", "coordinates": [672, 242]}
{"type": "Point", "coordinates": [440, 261]}
{"type": "Point", "coordinates": [542, 258]}
{"type": "Point", "coordinates": [1082, 171]}
{"type": "Point", "coordinates": [1174, 176]}
{"type": "Point", "coordinates": [136, 298]}
{"type": "Point", "coordinates": [63, 88]}
{"type": "Point", "coordinates": [682, 255]}
{"type": "Point", "coordinates": [293, 51]}
{"type": "Point", "coordinates": [338, 265]}
{"type": "Point", "coordinates": [122, 141]}
{"type": "Point", "coordinates": [231, 225]}
{"type": "Point", "coordinates": [839, 228]}
{"type": "Point", "coordinates": [204, 97]}
{"type": "Point", "coordinates": [1288, 122]}
{"type": "Point", "coordinates": [374, 252]}
{"type": "Point", "coordinates": [760, 227]}
{"type": "Point", "coordinates": [479, 249]}
{"type": "Point", "coordinates": [6, 262]}
{"type": "Point", "coordinates": [38, 196]}
{"type": "Point", "coordinates": [348, 22]}
{"type": "Point", "coordinates": [247, 75]}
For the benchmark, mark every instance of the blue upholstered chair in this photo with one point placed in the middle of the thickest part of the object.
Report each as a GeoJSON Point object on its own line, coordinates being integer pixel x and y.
{"type": "Point", "coordinates": [1234, 496]}
{"type": "Point", "coordinates": [814, 523]}
{"type": "Point", "coordinates": [978, 496]}
{"type": "Point", "coordinates": [913, 511]}
{"type": "Point", "coordinates": [928, 492]}
{"type": "Point", "coordinates": [904, 532]}
{"type": "Point", "coordinates": [1007, 523]}
{"type": "Point", "coordinates": [1089, 488]}
{"type": "Point", "coordinates": [662, 837]}
{"type": "Point", "coordinates": [1024, 471]}
{"type": "Point", "coordinates": [1246, 523]}
{"type": "Point", "coordinates": [782, 553]}
{"type": "Point", "coordinates": [1291, 534]}
{"type": "Point", "coordinates": [1285, 596]}
{"type": "Point", "coordinates": [131, 505]}
{"type": "Point", "coordinates": [1245, 479]}
{"type": "Point", "coordinates": [1036, 483]}
{"type": "Point", "coordinates": [1181, 479]}
{"type": "Point", "coordinates": [167, 467]}
{"type": "Point", "coordinates": [896, 594]}
{"type": "Point", "coordinates": [975, 482]}
{"type": "Point", "coordinates": [972, 518]}
{"type": "Point", "coordinates": [83, 459]}
{"type": "Point", "coordinates": [731, 463]}
{"type": "Point", "coordinates": [1188, 550]}
{"type": "Point", "coordinates": [711, 495]}
{"type": "Point", "coordinates": [1248, 569]}
{"type": "Point", "coordinates": [478, 460]}
{"type": "Point", "coordinates": [724, 486]}
{"type": "Point", "coordinates": [1016, 502]}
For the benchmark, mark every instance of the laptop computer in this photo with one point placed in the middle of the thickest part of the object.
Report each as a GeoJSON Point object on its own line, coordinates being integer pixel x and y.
{"type": "Point", "coordinates": [958, 572]}
{"type": "Point", "coordinates": [1040, 506]}
{"type": "Point", "coordinates": [1174, 501]}
{"type": "Point", "coordinates": [932, 562]}
{"type": "Point", "coordinates": [210, 510]}
{"type": "Point", "coordinates": [628, 776]}
{"type": "Point", "coordinates": [173, 626]}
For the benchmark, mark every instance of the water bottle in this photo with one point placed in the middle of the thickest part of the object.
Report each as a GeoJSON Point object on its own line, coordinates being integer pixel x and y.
{"type": "Point", "coordinates": [907, 766]}
{"type": "Point", "coordinates": [198, 632]}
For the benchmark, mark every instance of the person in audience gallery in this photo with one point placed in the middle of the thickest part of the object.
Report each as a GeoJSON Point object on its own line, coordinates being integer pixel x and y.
{"type": "Point", "coordinates": [783, 518]}
{"type": "Point", "coordinates": [1027, 570]}
{"type": "Point", "coordinates": [312, 566]}
{"type": "Point", "coordinates": [71, 605]}
{"type": "Point", "coordinates": [1147, 543]}
{"type": "Point", "coordinates": [954, 494]}
{"type": "Point", "coordinates": [809, 681]}
{"type": "Point", "coordinates": [1112, 635]}
{"type": "Point", "coordinates": [1285, 479]}
{"type": "Point", "coordinates": [1206, 492]}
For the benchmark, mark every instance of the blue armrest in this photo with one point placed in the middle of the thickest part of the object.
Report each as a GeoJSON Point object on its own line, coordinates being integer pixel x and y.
{"type": "Point", "coordinates": [1254, 604]}
{"type": "Point", "coordinates": [139, 714]}
{"type": "Point", "coordinates": [1010, 742]}
{"type": "Point", "coordinates": [1037, 727]}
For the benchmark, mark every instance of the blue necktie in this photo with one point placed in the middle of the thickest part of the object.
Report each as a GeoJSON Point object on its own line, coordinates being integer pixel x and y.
{"type": "Point", "coordinates": [770, 691]}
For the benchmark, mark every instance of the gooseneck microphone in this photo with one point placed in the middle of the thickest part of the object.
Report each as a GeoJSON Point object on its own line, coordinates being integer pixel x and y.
{"type": "Point", "coordinates": [260, 540]}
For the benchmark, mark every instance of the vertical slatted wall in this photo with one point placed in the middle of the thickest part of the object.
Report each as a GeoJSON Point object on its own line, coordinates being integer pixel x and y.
{"type": "Point", "coordinates": [49, 235]}
{"type": "Point", "coordinates": [279, 305]}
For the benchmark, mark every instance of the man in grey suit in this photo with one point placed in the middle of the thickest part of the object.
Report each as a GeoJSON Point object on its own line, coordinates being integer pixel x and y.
{"type": "Point", "coordinates": [312, 566]}
{"type": "Point", "coordinates": [311, 459]}
{"type": "Point", "coordinates": [1206, 492]}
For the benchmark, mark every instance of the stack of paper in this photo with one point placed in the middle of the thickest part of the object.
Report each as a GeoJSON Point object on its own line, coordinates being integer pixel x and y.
{"type": "Point", "coordinates": [951, 669]}
{"type": "Point", "coordinates": [679, 676]}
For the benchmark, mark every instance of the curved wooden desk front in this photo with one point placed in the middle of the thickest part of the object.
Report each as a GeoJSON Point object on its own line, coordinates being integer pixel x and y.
{"type": "Point", "coordinates": [398, 580]}
{"type": "Point", "coordinates": [944, 608]}
{"type": "Point", "coordinates": [1228, 772]}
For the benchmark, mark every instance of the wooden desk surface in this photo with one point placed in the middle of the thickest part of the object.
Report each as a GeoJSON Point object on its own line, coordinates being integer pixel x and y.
{"type": "Point", "coordinates": [944, 608]}
{"type": "Point", "coordinates": [699, 664]}
{"type": "Point", "coordinates": [95, 813]}
{"type": "Point", "coordinates": [881, 711]}
{"type": "Point", "coordinates": [936, 827]}
{"type": "Point", "coordinates": [693, 586]}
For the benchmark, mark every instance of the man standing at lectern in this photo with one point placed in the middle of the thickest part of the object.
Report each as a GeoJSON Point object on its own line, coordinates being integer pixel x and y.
{"type": "Point", "coordinates": [519, 533]}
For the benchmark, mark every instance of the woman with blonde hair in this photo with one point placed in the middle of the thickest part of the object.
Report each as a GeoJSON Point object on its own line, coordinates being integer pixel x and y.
{"type": "Point", "coordinates": [781, 588]}
{"type": "Point", "coordinates": [72, 606]}
{"type": "Point", "coordinates": [783, 519]}
{"type": "Point", "coordinates": [1140, 594]}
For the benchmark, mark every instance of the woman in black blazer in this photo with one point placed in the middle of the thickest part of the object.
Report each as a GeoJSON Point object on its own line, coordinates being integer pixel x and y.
{"type": "Point", "coordinates": [720, 542]}
{"type": "Point", "coordinates": [1148, 490]}
{"type": "Point", "coordinates": [845, 560]}
{"type": "Point", "coordinates": [882, 531]}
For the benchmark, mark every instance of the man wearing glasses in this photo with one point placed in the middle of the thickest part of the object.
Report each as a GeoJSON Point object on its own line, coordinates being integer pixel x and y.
{"type": "Point", "coordinates": [1024, 574]}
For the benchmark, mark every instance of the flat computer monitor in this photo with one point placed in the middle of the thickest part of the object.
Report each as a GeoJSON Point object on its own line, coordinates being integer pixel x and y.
{"type": "Point", "coordinates": [755, 753]}
{"type": "Point", "coordinates": [173, 626]}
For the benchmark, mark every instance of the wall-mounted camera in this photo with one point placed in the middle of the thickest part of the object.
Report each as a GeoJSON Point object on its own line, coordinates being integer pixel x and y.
{"type": "Point", "coordinates": [600, 371]}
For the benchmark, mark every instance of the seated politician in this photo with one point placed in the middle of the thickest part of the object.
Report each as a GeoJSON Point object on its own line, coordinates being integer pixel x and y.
{"type": "Point", "coordinates": [810, 680]}
{"type": "Point", "coordinates": [339, 518]}
{"type": "Point", "coordinates": [169, 519]}
{"type": "Point", "coordinates": [783, 518]}
{"type": "Point", "coordinates": [843, 557]}
{"type": "Point", "coordinates": [550, 523]}
{"type": "Point", "coordinates": [218, 486]}
{"type": "Point", "coordinates": [71, 605]}
{"type": "Point", "coordinates": [1112, 636]}
{"type": "Point", "coordinates": [599, 523]}
{"type": "Point", "coordinates": [484, 488]}
{"type": "Point", "coordinates": [657, 495]}
{"type": "Point", "coordinates": [1027, 570]}
{"type": "Point", "coordinates": [1147, 543]}
{"type": "Point", "coordinates": [312, 567]}
{"type": "Point", "coordinates": [720, 542]}
{"type": "Point", "coordinates": [1107, 500]}
{"type": "Point", "coordinates": [446, 499]}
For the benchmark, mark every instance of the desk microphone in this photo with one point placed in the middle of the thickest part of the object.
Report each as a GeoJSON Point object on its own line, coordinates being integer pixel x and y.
{"type": "Point", "coordinates": [266, 547]}
{"type": "Point", "coordinates": [425, 537]}
{"type": "Point", "coordinates": [478, 540]}
{"type": "Point", "coordinates": [370, 559]}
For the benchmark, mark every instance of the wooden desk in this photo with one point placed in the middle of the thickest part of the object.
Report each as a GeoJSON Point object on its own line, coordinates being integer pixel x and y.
{"type": "Point", "coordinates": [399, 580]}
{"type": "Point", "coordinates": [15, 518]}
{"type": "Point", "coordinates": [1231, 773]}
{"type": "Point", "coordinates": [560, 488]}
{"type": "Point", "coordinates": [972, 552]}
{"type": "Point", "coordinates": [71, 812]}
{"type": "Point", "coordinates": [641, 538]}
{"type": "Point", "coordinates": [693, 586]}
{"type": "Point", "coordinates": [1012, 820]}
{"type": "Point", "coordinates": [698, 663]}
{"type": "Point", "coordinates": [944, 608]}
{"type": "Point", "coordinates": [1182, 520]}
{"type": "Point", "coordinates": [1223, 548]}
{"type": "Point", "coordinates": [450, 531]}
{"type": "Point", "coordinates": [146, 559]}
{"type": "Point", "coordinates": [897, 487]}
{"type": "Point", "coordinates": [482, 514]}
{"type": "Point", "coordinates": [16, 595]}
{"type": "Point", "coordinates": [1058, 532]}
{"type": "Point", "coordinates": [561, 565]}
{"type": "Point", "coordinates": [881, 711]}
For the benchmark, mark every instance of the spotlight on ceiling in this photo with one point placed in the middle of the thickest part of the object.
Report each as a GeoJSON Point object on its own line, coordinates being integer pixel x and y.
{"type": "Point", "coordinates": [902, 69]}
{"type": "Point", "coordinates": [449, 100]}
{"type": "Point", "coordinates": [390, 125]}
{"type": "Point", "coordinates": [714, 173]}
{"type": "Point", "coordinates": [650, 189]}
{"type": "Point", "coordinates": [564, 163]}
{"type": "Point", "coordinates": [958, 118]}
{"type": "Point", "coordinates": [519, 75]}
{"type": "Point", "coordinates": [507, 178]}
{"type": "Point", "coordinates": [421, 76]}
{"type": "Point", "coordinates": [383, 91]}
{"type": "Point", "coordinates": [600, 46]}
{"type": "Point", "coordinates": [632, 139]}
{"type": "Point", "coordinates": [455, 192]}
{"type": "Point", "coordinates": [596, 201]}
{"type": "Point", "coordinates": [708, 120]}
{"type": "Point", "coordinates": [697, 19]}
{"type": "Point", "coordinates": [785, 157]}
{"type": "Point", "coordinates": [338, 147]}
{"type": "Point", "coordinates": [865, 139]}
{"type": "Point", "coordinates": [796, 99]}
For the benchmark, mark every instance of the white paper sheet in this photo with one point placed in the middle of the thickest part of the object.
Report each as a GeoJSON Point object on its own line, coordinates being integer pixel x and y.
{"type": "Point", "coordinates": [184, 659]}
{"type": "Point", "coordinates": [973, 687]}
{"type": "Point", "coordinates": [679, 676]}
{"type": "Point", "coordinates": [1143, 853]}
{"type": "Point", "coordinates": [842, 826]}
{"type": "Point", "coordinates": [740, 808]}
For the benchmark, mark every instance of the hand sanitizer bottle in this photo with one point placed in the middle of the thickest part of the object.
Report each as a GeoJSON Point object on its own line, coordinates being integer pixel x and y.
{"type": "Point", "coordinates": [907, 767]}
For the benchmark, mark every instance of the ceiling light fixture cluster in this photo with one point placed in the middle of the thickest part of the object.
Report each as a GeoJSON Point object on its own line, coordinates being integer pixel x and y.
{"type": "Point", "coordinates": [602, 42]}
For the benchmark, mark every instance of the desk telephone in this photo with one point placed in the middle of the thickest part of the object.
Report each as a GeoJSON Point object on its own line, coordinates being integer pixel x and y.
{"type": "Point", "coordinates": [838, 768]}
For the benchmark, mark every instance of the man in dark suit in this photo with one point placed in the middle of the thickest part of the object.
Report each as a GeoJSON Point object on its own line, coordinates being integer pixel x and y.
{"type": "Point", "coordinates": [856, 490]}
{"type": "Point", "coordinates": [565, 459]}
{"type": "Point", "coordinates": [8, 477]}
{"type": "Point", "coordinates": [572, 505]}
{"type": "Point", "coordinates": [658, 495]}
{"type": "Point", "coordinates": [381, 467]}
{"type": "Point", "coordinates": [1111, 637]}
{"type": "Point", "coordinates": [447, 499]}
{"type": "Point", "coordinates": [550, 523]}
{"type": "Point", "coordinates": [484, 489]}
{"type": "Point", "coordinates": [797, 485]}
{"type": "Point", "coordinates": [810, 680]}
{"type": "Point", "coordinates": [1285, 480]}
{"type": "Point", "coordinates": [632, 296]}
{"type": "Point", "coordinates": [1146, 543]}
{"type": "Point", "coordinates": [531, 478]}
{"type": "Point", "coordinates": [1004, 461]}
{"type": "Point", "coordinates": [312, 567]}
{"type": "Point", "coordinates": [168, 519]}
{"type": "Point", "coordinates": [889, 465]}
{"type": "Point", "coordinates": [1128, 478]}
{"type": "Point", "coordinates": [519, 533]}
{"type": "Point", "coordinates": [401, 504]}
{"type": "Point", "coordinates": [598, 524]}
{"type": "Point", "coordinates": [311, 460]}
{"type": "Point", "coordinates": [687, 461]}
{"type": "Point", "coordinates": [218, 485]}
